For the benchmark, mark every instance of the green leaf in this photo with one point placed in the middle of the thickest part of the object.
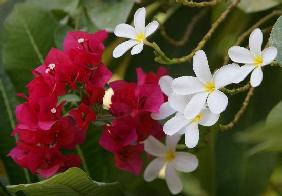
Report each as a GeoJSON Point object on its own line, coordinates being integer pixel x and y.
{"type": "Point", "coordinates": [275, 38]}
{"type": "Point", "coordinates": [106, 14]}
{"type": "Point", "coordinates": [250, 6]}
{"type": "Point", "coordinates": [7, 124]}
{"type": "Point", "coordinates": [28, 36]}
{"type": "Point", "coordinates": [73, 182]}
{"type": "Point", "coordinates": [68, 6]}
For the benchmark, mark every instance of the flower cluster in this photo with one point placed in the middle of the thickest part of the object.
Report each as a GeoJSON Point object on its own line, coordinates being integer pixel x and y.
{"type": "Point", "coordinates": [47, 122]}
{"type": "Point", "coordinates": [132, 105]}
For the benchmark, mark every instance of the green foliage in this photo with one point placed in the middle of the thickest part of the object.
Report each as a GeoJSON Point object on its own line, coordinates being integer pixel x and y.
{"type": "Point", "coordinates": [275, 38]}
{"type": "Point", "coordinates": [29, 34]}
{"type": "Point", "coordinates": [250, 6]}
{"type": "Point", "coordinates": [73, 182]}
{"type": "Point", "coordinates": [107, 14]}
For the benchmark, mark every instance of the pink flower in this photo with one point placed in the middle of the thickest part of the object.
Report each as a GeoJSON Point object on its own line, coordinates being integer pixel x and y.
{"type": "Point", "coordinates": [83, 116]}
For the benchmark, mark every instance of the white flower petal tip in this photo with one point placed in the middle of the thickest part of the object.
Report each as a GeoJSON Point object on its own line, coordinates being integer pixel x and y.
{"type": "Point", "coordinates": [137, 33]}
{"type": "Point", "coordinates": [165, 83]}
{"type": "Point", "coordinates": [170, 163]}
{"type": "Point", "coordinates": [165, 111]}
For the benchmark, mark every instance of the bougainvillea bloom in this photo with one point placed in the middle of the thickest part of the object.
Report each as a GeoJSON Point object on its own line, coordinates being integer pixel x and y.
{"type": "Point", "coordinates": [254, 59]}
{"type": "Point", "coordinates": [136, 34]}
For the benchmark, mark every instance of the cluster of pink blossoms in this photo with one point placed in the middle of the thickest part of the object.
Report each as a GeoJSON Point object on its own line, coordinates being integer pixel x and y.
{"type": "Point", "coordinates": [46, 123]}
{"type": "Point", "coordinates": [132, 105]}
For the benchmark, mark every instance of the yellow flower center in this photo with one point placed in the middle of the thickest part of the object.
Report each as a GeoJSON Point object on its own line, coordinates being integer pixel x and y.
{"type": "Point", "coordinates": [258, 60]}
{"type": "Point", "coordinates": [210, 87]}
{"type": "Point", "coordinates": [197, 118]}
{"type": "Point", "coordinates": [170, 155]}
{"type": "Point", "coordinates": [140, 37]}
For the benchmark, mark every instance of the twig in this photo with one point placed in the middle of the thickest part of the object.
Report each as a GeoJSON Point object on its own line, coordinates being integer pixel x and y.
{"type": "Point", "coordinates": [191, 3]}
{"type": "Point", "coordinates": [240, 113]}
{"type": "Point", "coordinates": [235, 91]}
{"type": "Point", "coordinates": [182, 41]}
{"type": "Point", "coordinates": [163, 59]}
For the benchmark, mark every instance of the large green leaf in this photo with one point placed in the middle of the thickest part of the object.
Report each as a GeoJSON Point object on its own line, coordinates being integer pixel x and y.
{"type": "Point", "coordinates": [250, 6]}
{"type": "Point", "coordinates": [106, 14]}
{"type": "Point", "coordinates": [7, 123]}
{"type": "Point", "coordinates": [29, 34]}
{"type": "Point", "coordinates": [66, 5]}
{"type": "Point", "coordinates": [275, 38]}
{"type": "Point", "coordinates": [73, 182]}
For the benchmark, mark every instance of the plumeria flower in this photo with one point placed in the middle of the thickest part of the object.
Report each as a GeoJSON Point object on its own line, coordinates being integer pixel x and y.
{"type": "Point", "coordinates": [180, 124]}
{"type": "Point", "coordinates": [205, 88]}
{"type": "Point", "coordinates": [254, 59]}
{"type": "Point", "coordinates": [169, 160]}
{"type": "Point", "coordinates": [136, 34]}
{"type": "Point", "coordinates": [175, 102]}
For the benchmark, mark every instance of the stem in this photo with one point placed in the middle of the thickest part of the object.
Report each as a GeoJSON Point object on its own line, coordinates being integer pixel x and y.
{"type": "Point", "coordinates": [81, 155]}
{"type": "Point", "coordinates": [191, 3]}
{"type": "Point", "coordinates": [163, 59]}
{"type": "Point", "coordinates": [189, 29]}
{"type": "Point", "coordinates": [235, 91]}
{"type": "Point", "coordinates": [240, 113]}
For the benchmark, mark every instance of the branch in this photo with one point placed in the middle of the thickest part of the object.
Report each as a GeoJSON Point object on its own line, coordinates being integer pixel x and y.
{"type": "Point", "coordinates": [240, 113]}
{"type": "Point", "coordinates": [191, 3]}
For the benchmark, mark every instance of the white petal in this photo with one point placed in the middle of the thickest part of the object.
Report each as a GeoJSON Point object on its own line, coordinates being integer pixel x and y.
{"type": "Point", "coordinates": [240, 55]}
{"type": "Point", "coordinates": [172, 179]}
{"type": "Point", "coordinates": [256, 77]}
{"type": "Point", "coordinates": [255, 41]}
{"type": "Point", "coordinates": [153, 169]}
{"type": "Point", "coordinates": [139, 19]}
{"type": "Point", "coordinates": [123, 48]}
{"type": "Point", "coordinates": [125, 30]}
{"type": "Point", "coordinates": [165, 111]}
{"type": "Point", "coordinates": [217, 102]}
{"type": "Point", "coordinates": [154, 147]}
{"type": "Point", "coordinates": [226, 75]}
{"type": "Point", "coordinates": [208, 118]}
{"type": "Point", "coordinates": [178, 102]}
{"type": "Point", "coordinates": [243, 72]}
{"type": "Point", "coordinates": [268, 55]}
{"type": "Point", "coordinates": [137, 49]}
{"type": "Point", "coordinates": [201, 66]}
{"type": "Point", "coordinates": [195, 105]}
{"type": "Point", "coordinates": [187, 85]}
{"type": "Point", "coordinates": [192, 135]}
{"type": "Point", "coordinates": [185, 162]}
{"type": "Point", "coordinates": [172, 141]}
{"type": "Point", "coordinates": [165, 83]}
{"type": "Point", "coordinates": [176, 123]}
{"type": "Point", "coordinates": [151, 28]}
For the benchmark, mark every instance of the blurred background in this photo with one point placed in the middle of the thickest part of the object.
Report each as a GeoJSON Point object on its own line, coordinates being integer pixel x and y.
{"type": "Point", "coordinates": [243, 161]}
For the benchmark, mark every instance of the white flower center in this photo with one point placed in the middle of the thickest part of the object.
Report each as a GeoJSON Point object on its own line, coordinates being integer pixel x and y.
{"type": "Point", "coordinates": [258, 60]}
{"type": "Point", "coordinates": [169, 156]}
{"type": "Point", "coordinates": [80, 40]}
{"type": "Point", "coordinates": [47, 70]}
{"type": "Point", "coordinates": [209, 87]}
{"type": "Point", "coordinates": [140, 37]}
{"type": "Point", "coordinates": [53, 110]}
{"type": "Point", "coordinates": [52, 66]}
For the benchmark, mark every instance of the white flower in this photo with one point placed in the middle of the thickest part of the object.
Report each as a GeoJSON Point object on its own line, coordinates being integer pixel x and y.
{"type": "Point", "coordinates": [170, 160]}
{"type": "Point", "coordinates": [205, 87]}
{"type": "Point", "coordinates": [254, 59]}
{"type": "Point", "coordinates": [175, 102]}
{"type": "Point", "coordinates": [136, 34]}
{"type": "Point", "coordinates": [180, 124]}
